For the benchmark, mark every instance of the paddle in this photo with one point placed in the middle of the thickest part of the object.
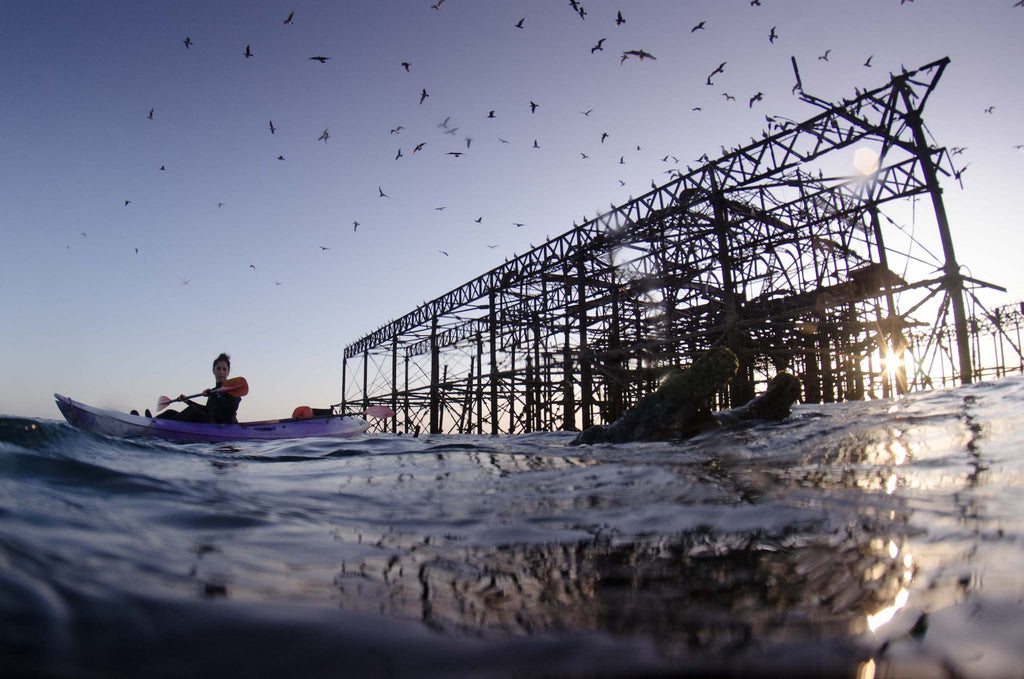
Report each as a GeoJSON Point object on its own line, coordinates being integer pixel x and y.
{"type": "Point", "coordinates": [378, 411]}
{"type": "Point", "coordinates": [236, 386]}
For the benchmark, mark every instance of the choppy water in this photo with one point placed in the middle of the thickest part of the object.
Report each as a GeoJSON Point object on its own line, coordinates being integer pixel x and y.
{"type": "Point", "coordinates": [880, 538]}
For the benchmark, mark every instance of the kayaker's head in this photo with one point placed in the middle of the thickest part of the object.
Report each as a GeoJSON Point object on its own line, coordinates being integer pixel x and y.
{"type": "Point", "coordinates": [221, 368]}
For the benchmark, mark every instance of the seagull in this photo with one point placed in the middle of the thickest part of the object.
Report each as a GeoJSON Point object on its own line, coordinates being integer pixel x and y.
{"type": "Point", "coordinates": [728, 97]}
{"type": "Point", "coordinates": [324, 136]}
{"type": "Point", "coordinates": [772, 35]}
{"type": "Point", "coordinates": [990, 109]}
{"type": "Point", "coordinates": [454, 153]}
{"type": "Point", "coordinates": [324, 248]}
{"type": "Point", "coordinates": [423, 95]}
{"type": "Point", "coordinates": [587, 112]}
{"type": "Point", "coordinates": [163, 168]}
{"type": "Point", "coordinates": [437, 5]}
{"type": "Point", "coordinates": [280, 157]}
{"type": "Point", "coordinates": [322, 60]}
{"type": "Point", "coordinates": [188, 42]}
{"type": "Point", "coordinates": [220, 204]}
{"type": "Point", "coordinates": [397, 130]}
{"type": "Point", "coordinates": [519, 24]}
{"type": "Point", "coordinates": [640, 54]}
{"type": "Point", "coordinates": [399, 154]}
{"type": "Point", "coordinates": [444, 123]}
{"type": "Point", "coordinates": [479, 220]}
{"type": "Point", "coordinates": [584, 156]}
{"type": "Point", "coordinates": [419, 147]}
{"type": "Point", "coordinates": [272, 128]}
{"type": "Point", "coordinates": [604, 135]}
{"type": "Point", "coordinates": [248, 52]}
{"type": "Point", "coordinates": [494, 246]}
{"type": "Point", "coordinates": [443, 253]}
{"type": "Point", "coordinates": [406, 65]}
{"type": "Point", "coordinates": [698, 27]}
{"type": "Point", "coordinates": [151, 113]}
{"type": "Point", "coordinates": [252, 266]}
{"type": "Point", "coordinates": [355, 225]}
{"type": "Point", "coordinates": [535, 144]}
{"type": "Point", "coordinates": [441, 208]}
{"type": "Point", "coordinates": [720, 69]}
{"type": "Point", "coordinates": [619, 20]}
{"type": "Point", "coordinates": [382, 194]}
{"type": "Point", "coordinates": [757, 97]}
{"type": "Point", "coordinates": [598, 46]}
{"type": "Point", "coordinates": [518, 224]}
{"type": "Point", "coordinates": [469, 140]}
{"type": "Point", "coordinates": [491, 114]}
{"type": "Point", "coordinates": [288, 19]}
{"type": "Point", "coordinates": [126, 203]}
{"type": "Point", "coordinates": [533, 107]}
{"type": "Point", "coordinates": [824, 57]}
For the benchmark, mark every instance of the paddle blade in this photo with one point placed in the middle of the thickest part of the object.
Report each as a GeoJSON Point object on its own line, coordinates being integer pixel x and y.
{"type": "Point", "coordinates": [163, 402]}
{"type": "Point", "coordinates": [378, 411]}
{"type": "Point", "coordinates": [236, 386]}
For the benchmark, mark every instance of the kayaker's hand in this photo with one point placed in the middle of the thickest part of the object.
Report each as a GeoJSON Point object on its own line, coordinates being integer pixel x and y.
{"type": "Point", "coordinates": [182, 397]}
{"type": "Point", "coordinates": [206, 392]}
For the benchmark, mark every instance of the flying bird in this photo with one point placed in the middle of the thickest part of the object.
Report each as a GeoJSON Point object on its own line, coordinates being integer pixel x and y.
{"type": "Point", "coordinates": [423, 95]}
{"type": "Point", "coordinates": [640, 54]}
{"type": "Point", "coordinates": [772, 35]}
{"type": "Point", "coordinates": [619, 20]}
{"type": "Point", "coordinates": [248, 51]}
{"type": "Point", "coordinates": [437, 5]}
{"type": "Point", "coordinates": [824, 57]}
{"type": "Point", "coordinates": [272, 128]}
{"type": "Point", "coordinates": [479, 220]}
{"type": "Point", "coordinates": [604, 135]}
{"type": "Point", "coordinates": [355, 225]}
{"type": "Point", "coordinates": [126, 203]}
{"type": "Point", "coordinates": [252, 266]}
{"type": "Point", "coordinates": [728, 97]}
{"type": "Point", "coordinates": [443, 253]}
{"type": "Point", "coordinates": [163, 168]}
{"type": "Point", "coordinates": [324, 248]}
{"type": "Point", "coordinates": [322, 60]}
{"type": "Point", "coordinates": [533, 107]}
{"type": "Point", "coordinates": [990, 109]}
{"type": "Point", "coordinates": [698, 27]}
{"type": "Point", "coordinates": [406, 65]}
{"type": "Point", "coordinates": [419, 147]}
{"type": "Point", "coordinates": [397, 130]}
{"type": "Point", "coordinates": [288, 19]}
{"type": "Point", "coordinates": [867, 62]}
{"type": "Point", "coordinates": [720, 69]}
{"type": "Point", "coordinates": [456, 154]}
{"type": "Point", "coordinates": [399, 154]}
{"type": "Point", "coordinates": [490, 114]}
{"type": "Point", "coordinates": [598, 46]}
{"type": "Point", "coordinates": [280, 157]}
{"type": "Point", "coordinates": [519, 24]}
{"type": "Point", "coordinates": [188, 42]}
{"type": "Point", "coordinates": [757, 97]}
{"type": "Point", "coordinates": [535, 144]}
{"type": "Point", "coordinates": [324, 136]}
{"type": "Point", "coordinates": [587, 112]}
{"type": "Point", "coordinates": [382, 194]}
{"type": "Point", "coordinates": [150, 116]}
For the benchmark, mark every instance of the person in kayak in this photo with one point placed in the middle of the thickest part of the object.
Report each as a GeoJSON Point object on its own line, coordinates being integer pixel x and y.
{"type": "Point", "coordinates": [220, 407]}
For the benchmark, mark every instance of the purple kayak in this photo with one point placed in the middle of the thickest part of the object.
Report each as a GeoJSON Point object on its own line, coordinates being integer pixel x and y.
{"type": "Point", "coordinates": [113, 423]}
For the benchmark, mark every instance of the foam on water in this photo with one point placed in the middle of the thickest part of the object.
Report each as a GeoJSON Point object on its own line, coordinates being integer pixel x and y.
{"type": "Point", "coordinates": [872, 537]}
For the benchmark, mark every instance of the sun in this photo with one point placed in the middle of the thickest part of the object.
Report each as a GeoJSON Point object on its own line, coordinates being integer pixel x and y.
{"type": "Point", "coordinates": [865, 160]}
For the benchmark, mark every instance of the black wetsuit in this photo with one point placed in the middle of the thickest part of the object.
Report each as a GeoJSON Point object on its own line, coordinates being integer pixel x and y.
{"type": "Point", "coordinates": [220, 408]}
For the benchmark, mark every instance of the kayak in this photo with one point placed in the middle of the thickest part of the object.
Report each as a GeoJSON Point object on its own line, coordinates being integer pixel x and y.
{"type": "Point", "coordinates": [113, 423]}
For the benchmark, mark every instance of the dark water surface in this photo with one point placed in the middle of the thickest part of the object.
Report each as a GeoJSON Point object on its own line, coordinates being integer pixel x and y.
{"type": "Point", "coordinates": [879, 538]}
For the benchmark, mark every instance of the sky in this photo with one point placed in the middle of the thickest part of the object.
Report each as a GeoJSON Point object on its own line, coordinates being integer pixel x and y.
{"type": "Point", "coordinates": [151, 219]}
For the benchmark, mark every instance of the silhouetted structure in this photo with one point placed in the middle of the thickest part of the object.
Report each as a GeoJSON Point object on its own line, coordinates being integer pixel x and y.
{"type": "Point", "coordinates": [758, 250]}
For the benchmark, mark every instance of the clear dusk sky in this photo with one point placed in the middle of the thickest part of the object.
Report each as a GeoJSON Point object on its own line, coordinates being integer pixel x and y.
{"type": "Point", "coordinates": [136, 247]}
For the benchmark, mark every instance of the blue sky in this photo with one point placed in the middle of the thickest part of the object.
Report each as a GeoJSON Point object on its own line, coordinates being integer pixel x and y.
{"type": "Point", "coordinates": [230, 240]}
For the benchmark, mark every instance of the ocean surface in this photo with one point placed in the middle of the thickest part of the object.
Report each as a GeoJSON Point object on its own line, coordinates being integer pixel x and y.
{"type": "Point", "coordinates": [870, 539]}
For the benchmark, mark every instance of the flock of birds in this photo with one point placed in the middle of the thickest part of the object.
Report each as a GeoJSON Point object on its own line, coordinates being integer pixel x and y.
{"type": "Point", "coordinates": [448, 128]}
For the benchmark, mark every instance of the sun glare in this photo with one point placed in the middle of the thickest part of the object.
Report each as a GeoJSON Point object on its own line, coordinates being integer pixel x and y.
{"type": "Point", "coordinates": [865, 160]}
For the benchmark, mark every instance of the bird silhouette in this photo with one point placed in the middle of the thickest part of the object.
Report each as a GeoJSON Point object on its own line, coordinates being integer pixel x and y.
{"type": "Point", "coordinates": [456, 154]}
{"type": "Point", "coordinates": [867, 62]}
{"type": "Point", "coordinates": [355, 225]}
{"type": "Point", "coordinates": [990, 109]}
{"type": "Point", "coordinates": [280, 157]}
{"type": "Point", "coordinates": [698, 27]}
{"type": "Point", "coordinates": [728, 97]}
{"type": "Point", "coordinates": [381, 193]}
{"type": "Point", "coordinates": [587, 112]}
{"type": "Point", "coordinates": [720, 69]}
{"type": "Point", "coordinates": [479, 220]}
{"type": "Point", "coordinates": [252, 266]}
{"type": "Point", "coordinates": [533, 107]}
{"type": "Point", "coordinates": [188, 42]}
{"type": "Point", "coordinates": [824, 57]}
{"type": "Point", "coordinates": [757, 97]}
{"type": "Point", "coordinates": [519, 24]}
{"type": "Point", "coordinates": [469, 140]}
{"type": "Point", "coordinates": [772, 35]}
{"type": "Point", "coordinates": [324, 136]}
{"type": "Point", "coordinates": [399, 154]}
{"type": "Point", "coordinates": [248, 51]}
{"type": "Point", "coordinates": [272, 128]}
{"type": "Point", "coordinates": [640, 54]}
{"type": "Point", "coordinates": [324, 248]}
{"type": "Point", "coordinates": [126, 203]}
{"type": "Point", "coordinates": [535, 144]}
{"type": "Point", "coordinates": [437, 5]}
{"type": "Point", "coordinates": [443, 253]}
{"type": "Point", "coordinates": [490, 114]}
{"type": "Point", "coordinates": [419, 147]}
{"type": "Point", "coordinates": [604, 135]}
{"type": "Point", "coordinates": [618, 19]}
{"type": "Point", "coordinates": [322, 60]}
{"type": "Point", "coordinates": [598, 47]}
{"type": "Point", "coordinates": [406, 65]}
{"type": "Point", "coordinates": [150, 116]}
{"type": "Point", "coordinates": [288, 19]}
{"type": "Point", "coordinates": [423, 95]}
{"type": "Point", "coordinates": [397, 130]}
{"type": "Point", "coordinates": [163, 168]}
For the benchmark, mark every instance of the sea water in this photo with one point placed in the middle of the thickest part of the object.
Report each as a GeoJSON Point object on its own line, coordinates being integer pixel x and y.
{"type": "Point", "coordinates": [877, 538]}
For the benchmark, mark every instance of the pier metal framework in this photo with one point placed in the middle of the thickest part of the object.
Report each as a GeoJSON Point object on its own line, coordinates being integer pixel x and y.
{"type": "Point", "coordinates": [760, 250]}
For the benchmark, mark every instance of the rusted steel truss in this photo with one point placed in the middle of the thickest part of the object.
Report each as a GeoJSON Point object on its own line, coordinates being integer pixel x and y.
{"type": "Point", "coordinates": [763, 250]}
